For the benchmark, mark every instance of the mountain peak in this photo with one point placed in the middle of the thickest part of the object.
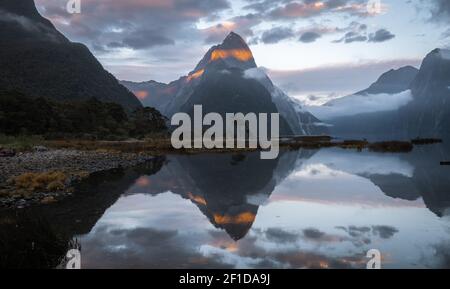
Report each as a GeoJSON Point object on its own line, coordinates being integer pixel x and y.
{"type": "Point", "coordinates": [34, 57]}
{"type": "Point", "coordinates": [393, 81]}
{"type": "Point", "coordinates": [234, 39]}
{"type": "Point", "coordinates": [434, 73]}
{"type": "Point", "coordinates": [233, 52]}
{"type": "Point", "coordinates": [444, 53]}
{"type": "Point", "coordinates": [440, 53]}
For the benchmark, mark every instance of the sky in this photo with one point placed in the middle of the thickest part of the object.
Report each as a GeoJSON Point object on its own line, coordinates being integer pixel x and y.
{"type": "Point", "coordinates": [312, 49]}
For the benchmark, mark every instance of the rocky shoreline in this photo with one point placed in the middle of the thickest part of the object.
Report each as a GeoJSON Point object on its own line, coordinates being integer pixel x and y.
{"type": "Point", "coordinates": [74, 165]}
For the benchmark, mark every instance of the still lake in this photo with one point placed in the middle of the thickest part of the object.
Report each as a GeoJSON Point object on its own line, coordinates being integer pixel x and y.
{"type": "Point", "coordinates": [307, 209]}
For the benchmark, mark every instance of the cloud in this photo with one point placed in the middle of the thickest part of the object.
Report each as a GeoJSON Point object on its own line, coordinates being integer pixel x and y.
{"type": "Point", "coordinates": [442, 255]}
{"type": "Point", "coordinates": [276, 34]}
{"type": "Point", "coordinates": [144, 39]}
{"type": "Point", "coordinates": [384, 232]}
{"type": "Point", "coordinates": [440, 10]}
{"type": "Point", "coordinates": [312, 233]}
{"type": "Point", "coordinates": [306, 34]}
{"type": "Point", "coordinates": [147, 237]}
{"type": "Point", "coordinates": [364, 235]}
{"type": "Point", "coordinates": [351, 37]}
{"type": "Point", "coordinates": [358, 104]}
{"type": "Point", "coordinates": [278, 235]}
{"type": "Point", "coordinates": [256, 251]}
{"type": "Point", "coordinates": [309, 37]}
{"type": "Point", "coordinates": [255, 73]}
{"type": "Point", "coordinates": [242, 25]}
{"type": "Point", "coordinates": [135, 24]}
{"type": "Point", "coordinates": [311, 8]}
{"type": "Point", "coordinates": [143, 247]}
{"type": "Point", "coordinates": [357, 32]}
{"type": "Point", "coordinates": [381, 35]}
{"type": "Point", "coordinates": [381, 231]}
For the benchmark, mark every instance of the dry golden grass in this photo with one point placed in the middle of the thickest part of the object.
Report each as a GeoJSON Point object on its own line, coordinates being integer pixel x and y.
{"type": "Point", "coordinates": [46, 181]}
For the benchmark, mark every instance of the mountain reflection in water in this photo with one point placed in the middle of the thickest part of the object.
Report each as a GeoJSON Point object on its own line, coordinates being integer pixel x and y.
{"type": "Point", "coordinates": [306, 209]}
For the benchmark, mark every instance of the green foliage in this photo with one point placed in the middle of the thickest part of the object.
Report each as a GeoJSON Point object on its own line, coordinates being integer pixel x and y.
{"type": "Point", "coordinates": [20, 143]}
{"type": "Point", "coordinates": [91, 119]}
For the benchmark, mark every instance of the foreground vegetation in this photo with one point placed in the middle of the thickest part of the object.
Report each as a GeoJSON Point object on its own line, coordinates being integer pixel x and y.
{"type": "Point", "coordinates": [21, 115]}
{"type": "Point", "coordinates": [159, 144]}
{"type": "Point", "coordinates": [20, 143]}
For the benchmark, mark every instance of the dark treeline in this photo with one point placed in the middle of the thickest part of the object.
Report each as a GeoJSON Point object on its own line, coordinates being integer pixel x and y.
{"type": "Point", "coordinates": [23, 115]}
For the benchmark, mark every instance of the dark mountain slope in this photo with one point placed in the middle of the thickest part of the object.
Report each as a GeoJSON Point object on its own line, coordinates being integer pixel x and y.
{"type": "Point", "coordinates": [39, 61]}
{"type": "Point", "coordinates": [393, 81]}
{"type": "Point", "coordinates": [426, 115]}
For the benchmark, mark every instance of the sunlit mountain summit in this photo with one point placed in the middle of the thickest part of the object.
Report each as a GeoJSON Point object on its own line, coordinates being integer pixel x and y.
{"type": "Point", "coordinates": [228, 80]}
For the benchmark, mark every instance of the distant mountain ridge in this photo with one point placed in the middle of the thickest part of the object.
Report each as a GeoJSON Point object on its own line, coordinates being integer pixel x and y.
{"type": "Point", "coordinates": [393, 81]}
{"type": "Point", "coordinates": [227, 80]}
{"type": "Point", "coordinates": [426, 115]}
{"type": "Point", "coordinates": [37, 60]}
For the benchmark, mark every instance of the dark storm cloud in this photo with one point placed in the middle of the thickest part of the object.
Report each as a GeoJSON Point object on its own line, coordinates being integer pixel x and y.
{"type": "Point", "coordinates": [309, 37]}
{"type": "Point", "coordinates": [276, 34]}
{"type": "Point", "coordinates": [136, 24]}
{"type": "Point", "coordinates": [381, 35]}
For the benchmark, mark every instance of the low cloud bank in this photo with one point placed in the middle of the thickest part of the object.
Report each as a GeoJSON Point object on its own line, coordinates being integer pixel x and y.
{"type": "Point", "coordinates": [357, 104]}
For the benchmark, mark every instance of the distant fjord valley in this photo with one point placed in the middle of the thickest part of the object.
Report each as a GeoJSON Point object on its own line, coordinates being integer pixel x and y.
{"type": "Point", "coordinates": [58, 104]}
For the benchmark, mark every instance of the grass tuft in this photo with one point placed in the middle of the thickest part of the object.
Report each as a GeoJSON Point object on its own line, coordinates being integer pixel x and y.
{"type": "Point", "coordinates": [46, 181]}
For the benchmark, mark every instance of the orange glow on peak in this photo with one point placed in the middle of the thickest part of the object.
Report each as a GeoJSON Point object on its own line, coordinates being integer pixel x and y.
{"type": "Point", "coordinates": [239, 54]}
{"type": "Point", "coordinates": [195, 75]}
{"type": "Point", "coordinates": [197, 199]}
{"type": "Point", "coordinates": [243, 218]}
{"type": "Point", "coordinates": [141, 94]}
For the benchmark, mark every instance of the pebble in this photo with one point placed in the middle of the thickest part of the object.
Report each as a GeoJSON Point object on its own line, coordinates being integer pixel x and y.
{"type": "Point", "coordinates": [42, 159]}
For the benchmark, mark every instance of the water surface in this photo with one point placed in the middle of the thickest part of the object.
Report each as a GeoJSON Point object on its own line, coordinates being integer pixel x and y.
{"type": "Point", "coordinates": [307, 209]}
